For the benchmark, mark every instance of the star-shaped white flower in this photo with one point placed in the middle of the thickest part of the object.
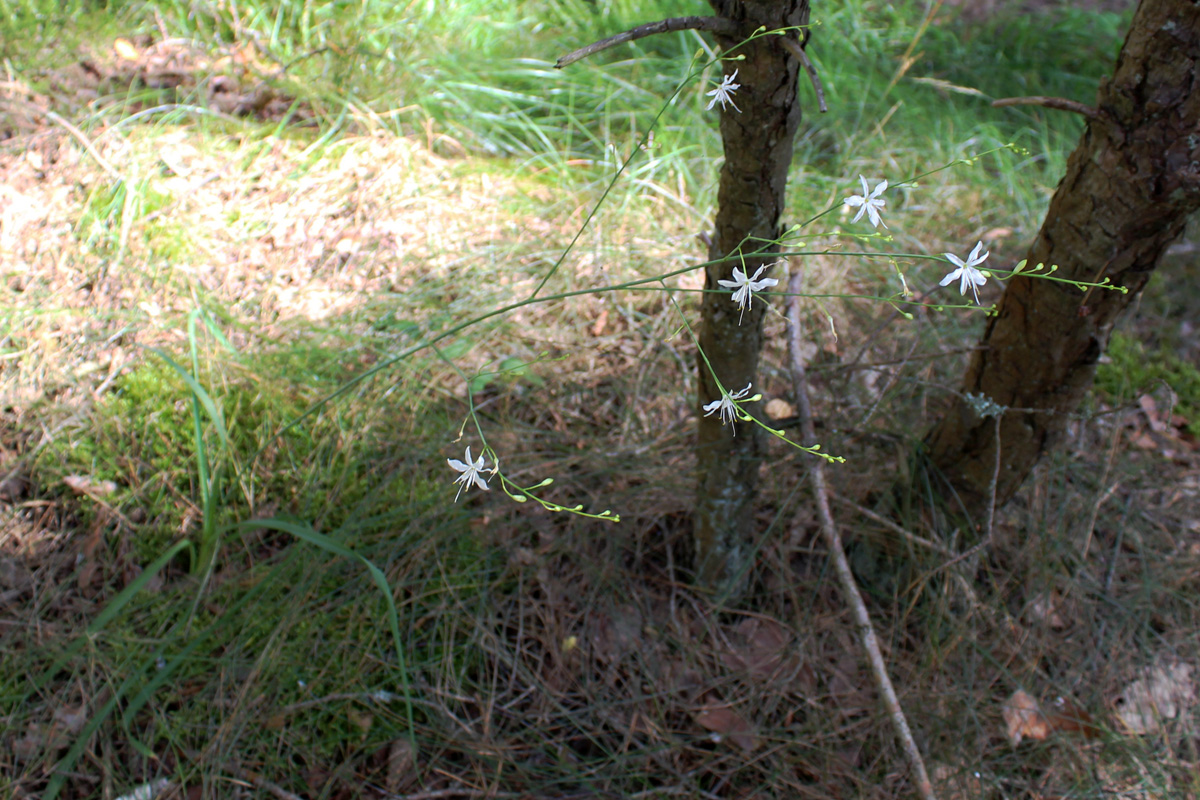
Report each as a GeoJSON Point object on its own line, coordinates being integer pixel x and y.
{"type": "Point", "coordinates": [966, 274]}
{"type": "Point", "coordinates": [725, 405]}
{"type": "Point", "coordinates": [744, 288]}
{"type": "Point", "coordinates": [724, 93]}
{"type": "Point", "coordinates": [470, 473]}
{"type": "Point", "coordinates": [868, 203]}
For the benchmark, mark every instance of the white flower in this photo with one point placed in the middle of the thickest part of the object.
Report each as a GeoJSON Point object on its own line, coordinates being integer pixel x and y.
{"type": "Point", "coordinates": [724, 93]}
{"type": "Point", "coordinates": [725, 405]}
{"type": "Point", "coordinates": [966, 273]}
{"type": "Point", "coordinates": [470, 472]}
{"type": "Point", "coordinates": [868, 204]}
{"type": "Point", "coordinates": [744, 288]}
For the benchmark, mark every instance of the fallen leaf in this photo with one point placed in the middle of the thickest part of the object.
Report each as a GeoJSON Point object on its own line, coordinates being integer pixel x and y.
{"type": "Point", "coordinates": [363, 720]}
{"type": "Point", "coordinates": [761, 649]}
{"type": "Point", "coordinates": [82, 484]}
{"type": "Point", "coordinates": [727, 724]}
{"type": "Point", "coordinates": [400, 772]}
{"type": "Point", "coordinates": [955, 783]}
{"type": "Point", "coordinates": [125, 50]}
{"type": "Point", "coordinates": [601, 321]}
{"type": "Point", "coordinates": [148, 791]}
{"type": "Point", "coordinates": [1149, 407]}
{"type": "Point", "coordinates": [778, 408]}
{"type": "Point", "coordinates": [1023, 718]}
{"type": "Point", "coordinates": [70, 719]}
{"type": "Point", "coordinates": [1163, 693]}
{"type": "Point", "coordinates": [1069, 717]}
{"type": "Point", "coordinates": [29, 746]}
{"type": "Point", "coordinates": [1045, 608]}
{"type": "Point", "coordinates": [13, 487]}
{"type": "Point", "coordinates": [615, 636]}
{"type": "Point", "coordinates": [89, 570]}
{"type": "Point", "coordinates": [682, 679]}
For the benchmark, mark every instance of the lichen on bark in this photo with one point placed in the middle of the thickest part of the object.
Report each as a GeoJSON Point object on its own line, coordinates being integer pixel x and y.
{"type": "Point", "coordinates": [758, 143]}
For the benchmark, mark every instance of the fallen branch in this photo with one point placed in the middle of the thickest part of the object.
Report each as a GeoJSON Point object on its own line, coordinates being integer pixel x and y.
{"type": "Point", "coordinates": [78, 135]}
{"type": "Point", "coordinates": [718, 25]}
{"type": "Point", "coordinates": [1057, 103]}
{"type": "Point", "coordinates": [833, 541]}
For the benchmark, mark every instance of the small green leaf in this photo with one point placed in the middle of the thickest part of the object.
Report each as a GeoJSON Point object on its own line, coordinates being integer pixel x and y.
{"type": "Point", "coordinates": [481, 382]}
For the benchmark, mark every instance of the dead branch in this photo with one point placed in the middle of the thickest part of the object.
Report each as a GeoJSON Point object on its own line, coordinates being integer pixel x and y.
{"type": "Point", "coordinates": [79, 135]}
{"type": "Point", "coordinates": [797, 50]}
{"type": "Point", "coordinates": [834, 542]}
{"type": "Point", "coordinates": [718, 25]}
{"type": "Point", "coordinates": [1058, 103]}
{"type": "Point", "coordinates": [908, 536]}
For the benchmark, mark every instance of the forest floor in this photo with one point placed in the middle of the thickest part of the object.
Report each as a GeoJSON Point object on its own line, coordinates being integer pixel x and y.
{"type": "Point", "coordinates": [232, 563]}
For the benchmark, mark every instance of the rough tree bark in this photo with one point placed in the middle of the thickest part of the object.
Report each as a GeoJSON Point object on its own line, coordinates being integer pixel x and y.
{"type": "Point", "coordinates": [1130, 185]}
{"type": "Point", "coordinates": [758, 153]}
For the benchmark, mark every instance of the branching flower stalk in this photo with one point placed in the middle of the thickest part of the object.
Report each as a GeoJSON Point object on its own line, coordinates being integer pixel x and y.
{"type": "Point", "coordinates": [729, 404]}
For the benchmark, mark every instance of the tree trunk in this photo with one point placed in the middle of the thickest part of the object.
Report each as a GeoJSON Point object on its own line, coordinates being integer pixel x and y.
{"type": "Point", "coordinates": [1130, 185]}
{"type": "Point", "coordinates": [758, 144]}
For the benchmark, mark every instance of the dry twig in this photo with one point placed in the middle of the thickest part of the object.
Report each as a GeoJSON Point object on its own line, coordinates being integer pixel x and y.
{"type": "Point", "coordinates": [833, 540]}
{"type": "Point", "coordinates": [1057, 103]}
{"type": "Point", "coordinates": [904, 533]}
{"type": "Point", "coordinates": [711, 24]}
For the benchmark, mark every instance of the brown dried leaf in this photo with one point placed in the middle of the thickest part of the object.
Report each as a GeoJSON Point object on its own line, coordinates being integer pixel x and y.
{"type": "Point", "coordinates": [1045, 608]}
{"type": "Point", "coordinates": [601, 321]}
{"type": "Point", "coordinates": [955, 783]}
{"type": "Point", "coordinates": [363, 720]}
{"type": "Point", "coordinates": [82, 484]}
{"type": "Point", "coordinates": [682, 679]}
{"type": "Point", "coordinates": [1023, 718]}
{"type": "Point", "coordinates": [727, 724]}
{"type": "Point", "coordinates": [1149, 407]}
{"type": "Point", "coordinates": [777, 408]}
{"type": "Point", "coordinates": [90, 569]}
{"type": "Point", "coordinates": [70, 719]}
{"type": "Point", "coordinates": [1163, 693]}
{"type": "Point", "coordinates": [761, 648]}
{"type": "Point", "coordinates": [400, 760]}
{"type": "Point", "coordinates": [1069, 717]}
{"type": "Point", "coordinates": [12, 487]}
{"type": "Point", "coordinates": [29, 746]}
{"type": "Point", "coordinates": [615, 636]}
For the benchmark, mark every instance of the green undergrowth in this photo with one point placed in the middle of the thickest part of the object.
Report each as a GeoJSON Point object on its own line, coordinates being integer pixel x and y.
{"type": "Point", "coordinates": [141, 436]}
{"type": "Point", "coordinates": [283, 617]}
{"type": "Point", "coordinates": [1133, 368]}
{"type": "Point", "coordinates": [493, 88]}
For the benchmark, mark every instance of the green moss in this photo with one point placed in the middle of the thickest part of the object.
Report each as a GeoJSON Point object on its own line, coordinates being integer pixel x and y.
{"type": "Point", "coordinates": [1131, 371]}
